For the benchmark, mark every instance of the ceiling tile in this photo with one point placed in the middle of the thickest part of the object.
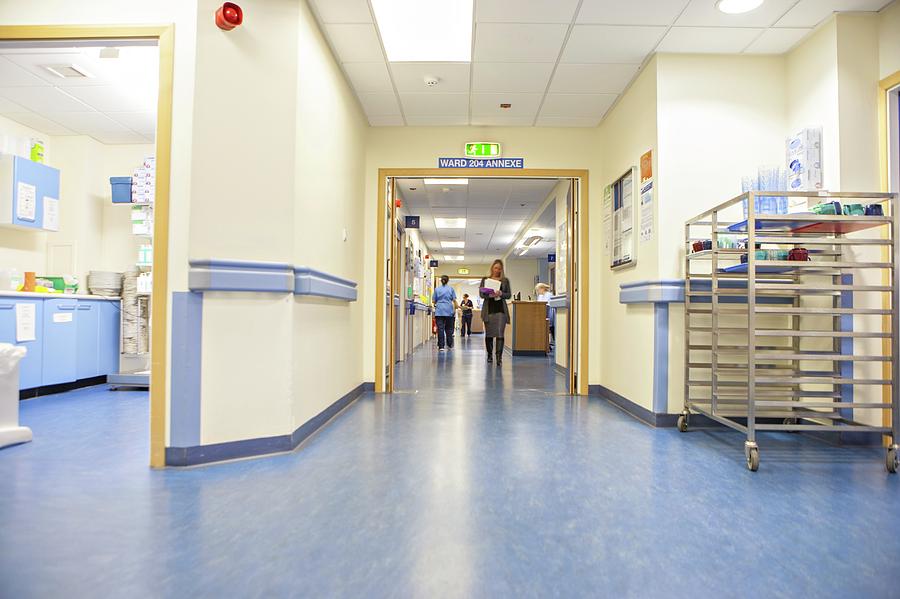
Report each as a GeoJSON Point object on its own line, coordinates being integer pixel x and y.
{"type": "Point", "coordinates": [777, 41]}
{"type": "Point", "coordinates": [369, 76]}
{"type": "Point", "coordinates": [523, 105]}
{"type": "Point", "coordinates": [809, 13]}
{"type": "Point", "coordinates": [88, 123]}
{"type": "Point", "coordinates": [501, 121]}
{"type": "Point", "coordinates": [593, 78]}
{"type": "Point", "coordinates": [42, 99]}
{"type": "Point", "coordinates": [577, 105]}
{"type": "Point", "coordinates": [516, 11]}
{"type": "Point", "coordinates": [140, 122]}
{"type": "Point", "coordinates": [111, 98]}
{"type": "Point", "coordinates": [511, 77]}
{"type": "Point", "coordinates": [355, 43]}
{"type": "Point", "coordinates": [611, 44]}
{"type": "Point", "coordinates": [343, 11]}
{"type": "Point", "coordinates": [507, 42]}
{"type": "Point", "coordinates": [566, 122]}
{"type": "Point", "coordinates": [13, 75]}
{"type": "Point", "coordinates": [386, 121]}
{"type": "Point", "coordinates": [380, 104]}
{"type": "Point", "coordinates": [437, 121]}
{"type": "Point", "coordinates": [708, 40]}
{"type": "Point", "coordinates": [703, 13]}
{"type": "Point", "coordinates": [410, 77]}
{"type": "Point", "coordinates": [39, 123]}
{"type": "Point", "coordinates": [435, 105]}
{"type": "Point", "coordinates": [120, 138]}
{"type": "Point", "coordinates": [617, 12]}
{"type": "Point", "coordinates": [10, 106]}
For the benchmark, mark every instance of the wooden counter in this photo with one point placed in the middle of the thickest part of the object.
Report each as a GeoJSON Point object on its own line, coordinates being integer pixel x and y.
{"type": "Point", "coordinates": [530, 329]}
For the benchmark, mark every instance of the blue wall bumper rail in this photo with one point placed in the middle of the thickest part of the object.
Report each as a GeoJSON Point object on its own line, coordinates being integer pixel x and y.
{"type": "Point", "coordinates": [559, 301]}
{"type": "Point", "coordinates": [267, 277]}
{"type": "Point", "coordinates": [308, 281]}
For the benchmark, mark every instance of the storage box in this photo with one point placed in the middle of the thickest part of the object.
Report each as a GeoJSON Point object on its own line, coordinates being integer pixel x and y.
{"type": "Point", "coordinates": [804, 160]}
{"type": "Point", "coordinates": [121, 190]}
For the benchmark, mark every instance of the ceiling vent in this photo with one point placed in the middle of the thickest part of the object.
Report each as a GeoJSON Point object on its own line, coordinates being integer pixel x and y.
{"type": "Point", "coordinates": [68, 71]}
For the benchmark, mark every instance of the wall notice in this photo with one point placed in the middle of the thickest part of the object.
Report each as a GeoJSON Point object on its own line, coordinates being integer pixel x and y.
{"type": "Point", "coordinates": [26, 202]}
{"type": "Point", "coordinates": [646, 189]}
{"type": "Point", "coordinates": [25, 322]}
{"type": "Point", "coordinates": [607, 219]}
{"type": "Point", "coordinates": [51, 214]}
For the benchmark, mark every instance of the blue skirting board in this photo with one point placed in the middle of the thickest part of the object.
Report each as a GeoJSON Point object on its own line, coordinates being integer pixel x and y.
{"type": "Point", "coordinates": [245, 448]}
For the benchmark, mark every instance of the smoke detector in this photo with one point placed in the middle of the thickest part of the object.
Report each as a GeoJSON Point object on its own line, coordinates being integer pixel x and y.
{"type": "Point", "coordinates": [431, 81]}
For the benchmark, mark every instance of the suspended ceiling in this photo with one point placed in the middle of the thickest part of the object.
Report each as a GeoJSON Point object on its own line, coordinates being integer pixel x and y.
{"type": "Point", "coordinates": [497, 212]}
{"type": "Point", "coordinates": [115, 104]}
{"type": "Point", "coordinates": [559, 62]}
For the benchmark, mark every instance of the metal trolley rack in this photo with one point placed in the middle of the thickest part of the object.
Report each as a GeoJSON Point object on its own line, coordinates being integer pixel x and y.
{"type": "Point", "coordinates": [791, 345]}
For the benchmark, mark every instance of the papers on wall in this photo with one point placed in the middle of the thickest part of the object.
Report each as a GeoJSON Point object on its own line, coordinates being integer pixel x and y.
{"type": "Point", "coordinates": [623, 220]}
{"type": "Point", "coordinates": [26, 315]}
{"type": "Point", "coordinates": [26, 202]}
{"type": "Point", "coordinates": [607, 219]}
{"type": "Point", "coordinates": [51, 214]}
{"type": "Point", "coordinates": [562, 258]}
{"type": "Point", "coordinates": [647, 197]}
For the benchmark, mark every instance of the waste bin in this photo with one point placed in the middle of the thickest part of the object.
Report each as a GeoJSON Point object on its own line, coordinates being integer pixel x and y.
{"type": "Point", "coordinates": [10, 431]}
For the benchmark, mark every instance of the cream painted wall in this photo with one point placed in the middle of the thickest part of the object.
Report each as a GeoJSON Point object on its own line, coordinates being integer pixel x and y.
{"type": "Point", "coordinates": [812, 95]}
{"type": "Point", "coordinates": [889, 40]}
{"type": "Point", "coordinates": [328, 203]}
{"type": "Point", "coordinates": [420, 147]}
{"type": "Point", "coordinates": [621, 337]}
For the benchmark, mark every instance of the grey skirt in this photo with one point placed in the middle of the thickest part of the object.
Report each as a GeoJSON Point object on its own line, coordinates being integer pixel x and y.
{"type": "Point", "coordinates": [495, 325]}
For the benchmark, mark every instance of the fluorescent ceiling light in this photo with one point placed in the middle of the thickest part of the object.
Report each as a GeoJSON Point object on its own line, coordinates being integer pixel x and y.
{"type": "Point", "coordinates": [450, 223]}
{"type": "Point", "coordinates": [454, 258]}
{"type": "Point", "coordinates": [446, 181]}
{"type": "Point", "coordinates": [453, 244]}
{"type": "Point", "coordinates": [738, 7]}
{"type": "Point", "coordinates": [532, 241]}
{"type": "Point", "coordinates": [523, 252]}
{"type": "Point", "coordinates": [425, 30]}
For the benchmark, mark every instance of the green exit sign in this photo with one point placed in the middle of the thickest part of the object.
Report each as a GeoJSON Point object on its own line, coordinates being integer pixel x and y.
{"type": "Point", "coordinates": [482, 149]}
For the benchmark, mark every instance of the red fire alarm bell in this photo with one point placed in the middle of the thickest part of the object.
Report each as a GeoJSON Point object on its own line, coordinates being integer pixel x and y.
{"type": "Point", "coordinates": [398, 203]}
{"type": "Point", "coordinates": [229, 16]}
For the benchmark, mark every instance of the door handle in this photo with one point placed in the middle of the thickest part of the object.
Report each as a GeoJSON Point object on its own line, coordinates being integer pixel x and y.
{"type": "Point", "coordinates": [72, 307]}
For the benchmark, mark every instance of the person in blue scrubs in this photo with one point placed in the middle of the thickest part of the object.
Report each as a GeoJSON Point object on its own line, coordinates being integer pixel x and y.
{"type": "Point", "coordinates": [444, 300]}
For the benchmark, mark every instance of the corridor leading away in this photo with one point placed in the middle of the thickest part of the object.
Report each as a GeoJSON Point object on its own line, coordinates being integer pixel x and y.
{"type": "Point", "coordinates": [484, 482]}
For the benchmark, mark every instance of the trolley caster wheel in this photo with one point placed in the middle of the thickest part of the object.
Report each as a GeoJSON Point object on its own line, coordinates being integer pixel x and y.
{"type": "Point", "coordinates": [892, 459]}
{"type": "Point", "coordinates": [752, 453]}
{"type": "Point", "coordinates": [683, 423]}
{"type": "Point", "coordinates": [789, 421]}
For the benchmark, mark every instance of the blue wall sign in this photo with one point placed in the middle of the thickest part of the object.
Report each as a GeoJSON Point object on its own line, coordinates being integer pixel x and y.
{"type": "Point", "coordinates": [551, 258]}
{"type": "Point", "coordinates": [481, 163]}
{"type": "Point", "coordinates": [433, 264]}
{"type": "Point", "coordinates": [412, 222]}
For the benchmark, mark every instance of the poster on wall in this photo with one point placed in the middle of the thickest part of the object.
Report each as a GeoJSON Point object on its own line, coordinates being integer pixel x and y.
{"type": "Point", "coordinates": [562, 249]}
{"type": "Point", "coordinates": [607, 219]}
{"type": "Point", "coordinates": [647, 196]}
{"type": "Point", "coordinates": [623, 216]}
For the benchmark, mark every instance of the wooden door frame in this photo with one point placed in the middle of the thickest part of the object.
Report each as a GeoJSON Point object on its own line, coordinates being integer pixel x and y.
{"type": "Point", "coordinates": [577, 210]}
{"type": "Point", "coordinates": [165, 38]}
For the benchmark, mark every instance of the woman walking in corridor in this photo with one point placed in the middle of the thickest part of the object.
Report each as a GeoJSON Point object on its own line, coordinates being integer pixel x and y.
{"type": "Point", "coordinates": [494, 312]}
{"type": "Point", "coordinates": [444, 300]}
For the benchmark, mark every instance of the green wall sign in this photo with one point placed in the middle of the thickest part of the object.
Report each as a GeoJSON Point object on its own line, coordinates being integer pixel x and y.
{"type": "Point", "coordinates": [482, 149]}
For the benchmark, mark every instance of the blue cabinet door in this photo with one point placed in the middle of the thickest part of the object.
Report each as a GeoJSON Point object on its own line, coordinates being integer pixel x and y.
{"type": "Point", "coordinates": [30, 366]}
{"type": "Point", "coordinates": [41, 180]}
{"type": "Point", "coordinates": [110, 314]}
{"type": "Point", "coordinates": [60, 364]}
{"type": "Point", "coordinates": [88, 339]}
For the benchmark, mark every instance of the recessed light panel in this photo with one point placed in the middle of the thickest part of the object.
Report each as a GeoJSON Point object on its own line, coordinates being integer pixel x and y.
{"type": "Point", "coordinates": [425, 30]}
{"type": "Point", "coordinates": [446, 181]}
{"type": "Point", "coordinates": [454, 258]}
{"type": "Point", "coordinates": [453, 244]}
{"type": "Point", "coordinates": [450, 223]}
{"type": "Point", "coordinates": [738, 7]}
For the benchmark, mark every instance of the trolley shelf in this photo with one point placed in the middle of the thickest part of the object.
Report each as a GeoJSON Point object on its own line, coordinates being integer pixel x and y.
{"type": "Point", "coordinates": [759, 333]}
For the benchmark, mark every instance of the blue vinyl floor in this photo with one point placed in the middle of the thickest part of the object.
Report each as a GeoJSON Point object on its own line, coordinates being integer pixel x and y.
{"type": "Point", "coordinates": [472, 482]}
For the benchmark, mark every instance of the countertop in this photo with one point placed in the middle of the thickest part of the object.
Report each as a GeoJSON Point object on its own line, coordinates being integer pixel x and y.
{"type": "Point", "coordinates": [28, 294]}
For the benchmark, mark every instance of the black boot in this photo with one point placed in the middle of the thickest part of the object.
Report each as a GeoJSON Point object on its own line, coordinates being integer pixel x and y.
{"type": "Point", "coordinates": [499, 352]}
{"type": "Point", "coordinates": [489, 345]}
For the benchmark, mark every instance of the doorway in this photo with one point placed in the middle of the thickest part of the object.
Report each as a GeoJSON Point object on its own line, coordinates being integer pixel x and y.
{"type": "Point", "coordinates": [402, 300]}
{"type": "Point", "coordinates": [111, 42]}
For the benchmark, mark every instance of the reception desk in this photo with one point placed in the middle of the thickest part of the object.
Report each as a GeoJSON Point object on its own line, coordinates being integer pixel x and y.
{"type": "Point", "coordinates": [528, 333]}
